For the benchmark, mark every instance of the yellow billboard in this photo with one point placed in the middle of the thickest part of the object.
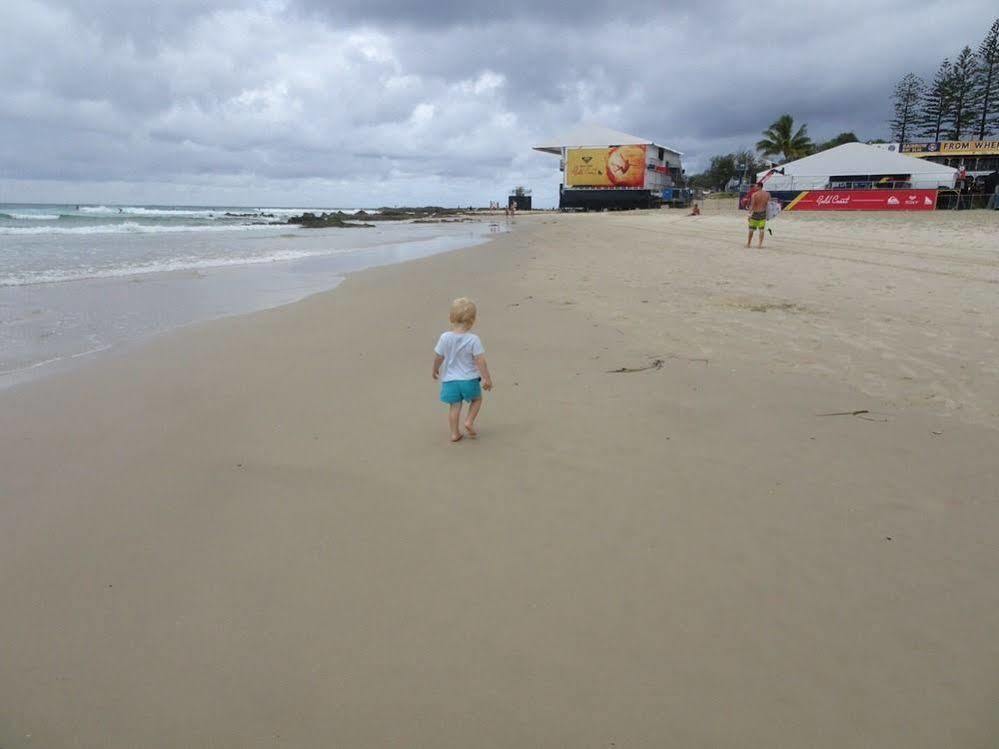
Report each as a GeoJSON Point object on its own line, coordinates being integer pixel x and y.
{"type": "Point", "coordinates": [951, 148]}
{"type": "Point", "coordinates": [617, 166]}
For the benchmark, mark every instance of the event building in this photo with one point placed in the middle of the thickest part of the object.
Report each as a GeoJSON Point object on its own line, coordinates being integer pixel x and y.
{"type": "Point", "coordinates": [607, 169]}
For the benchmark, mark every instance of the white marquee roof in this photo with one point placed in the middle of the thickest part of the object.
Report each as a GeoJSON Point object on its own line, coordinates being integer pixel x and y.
{"type": "Point", "coordinates": [860, 158]}
{"type": "Point", "coordinates": [596, 136]}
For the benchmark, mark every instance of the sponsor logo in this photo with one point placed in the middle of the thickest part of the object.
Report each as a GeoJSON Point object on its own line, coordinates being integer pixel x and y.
{"type": "Point", "coordinates": [892, 200]}
{"type": "Point", "coordinates": [927, 201]}
{"type": "Point", "coordinates": [833, 199]}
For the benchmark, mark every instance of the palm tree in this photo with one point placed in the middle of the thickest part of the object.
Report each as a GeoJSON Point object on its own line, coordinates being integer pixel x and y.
{"type": "Point", "coordinates": [780, 139]}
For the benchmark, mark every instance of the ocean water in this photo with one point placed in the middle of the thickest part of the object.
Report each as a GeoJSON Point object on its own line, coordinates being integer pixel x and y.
{"type": "Point", "coordinates": [76, 280]}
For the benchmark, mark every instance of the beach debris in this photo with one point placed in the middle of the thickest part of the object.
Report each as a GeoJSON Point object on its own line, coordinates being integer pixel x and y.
{"type": "Point", "coordinates": [756, 304]}
{"type": "Point", "coordinates": [936, 433]}
{"type": "Point", "coordinates": [862, 413]}
{"type": "Point", "coordinates": [780, 306]}
{"type": "Point", "coordinates": [656, 364]}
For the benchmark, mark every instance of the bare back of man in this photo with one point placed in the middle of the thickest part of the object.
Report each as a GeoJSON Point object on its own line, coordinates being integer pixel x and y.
{"type": "Point", "coordinates": [758, 202]}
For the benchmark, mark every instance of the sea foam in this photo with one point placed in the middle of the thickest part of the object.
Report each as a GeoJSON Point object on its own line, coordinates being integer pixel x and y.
{"type": "Point", "coordinates": [128, 227]}
{"type": "Point", "coordinates": [30, 278]}
{"type": "Point", "coordinates": [128, 210]}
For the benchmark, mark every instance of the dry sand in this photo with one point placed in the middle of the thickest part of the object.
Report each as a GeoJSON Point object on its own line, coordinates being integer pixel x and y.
{"type": "Point", "coordinates": [254, 533]}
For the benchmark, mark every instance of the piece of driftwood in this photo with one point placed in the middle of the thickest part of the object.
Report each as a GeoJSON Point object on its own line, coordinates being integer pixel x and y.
{"type": "Point", "coordinates": [862, 413]}
{"type": "Point", "coordinates": [656, 364]}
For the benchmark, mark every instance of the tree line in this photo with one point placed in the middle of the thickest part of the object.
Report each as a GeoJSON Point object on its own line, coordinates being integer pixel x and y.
{"type": "Point", "coordinates": [962, 100]}
{"type": "Point", "coordinates": [782, 141]}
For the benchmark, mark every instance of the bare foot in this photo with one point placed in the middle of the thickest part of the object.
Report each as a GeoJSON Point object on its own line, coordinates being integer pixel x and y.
{"type": "Point", "coordinates": [470, 428]}
{"type": "Point", "coordinates": [456, 437]}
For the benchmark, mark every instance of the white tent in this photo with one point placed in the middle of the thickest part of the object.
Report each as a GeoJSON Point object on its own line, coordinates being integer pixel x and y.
{"type": "Point", "coordinates": [860, 163]}
{"type": "Point", "coordinates": [597, 136]}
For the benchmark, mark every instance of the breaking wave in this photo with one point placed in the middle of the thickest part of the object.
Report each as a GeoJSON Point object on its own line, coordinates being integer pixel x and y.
{"type": "Point", "coordinates": [127, 210]}
{"type": "Point", "coordinates": [129, 227]}
{"type": "Point", "coordinates": [201, 213]}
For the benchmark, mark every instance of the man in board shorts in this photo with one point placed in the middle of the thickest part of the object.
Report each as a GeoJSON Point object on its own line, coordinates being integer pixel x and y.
{"type": "Point", "coordinates": [758, 202]}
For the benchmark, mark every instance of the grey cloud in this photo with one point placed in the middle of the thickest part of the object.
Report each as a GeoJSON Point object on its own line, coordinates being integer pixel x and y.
{"type": "Point", "coordinates": [143, 25]}
{"type": "Point", "coordinates": [430, 99]}
{"type": "Point", "coordinates": [475, 13]}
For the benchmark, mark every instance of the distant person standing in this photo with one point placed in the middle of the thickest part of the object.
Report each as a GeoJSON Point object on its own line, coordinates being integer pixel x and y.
{"type": "Point", "coordinates": [758, 202]}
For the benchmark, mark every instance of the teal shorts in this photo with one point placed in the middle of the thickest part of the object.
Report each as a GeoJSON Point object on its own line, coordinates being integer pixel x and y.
{"type": "Point", "coordinates": [456, 391]}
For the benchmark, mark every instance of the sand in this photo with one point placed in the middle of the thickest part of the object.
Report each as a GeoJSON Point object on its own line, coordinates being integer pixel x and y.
{"type": "Point", "coordinates": [254, 532]}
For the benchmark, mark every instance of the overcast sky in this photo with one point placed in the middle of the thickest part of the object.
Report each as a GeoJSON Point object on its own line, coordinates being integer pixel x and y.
{"type": "Point", "coordinates": [372, 102]}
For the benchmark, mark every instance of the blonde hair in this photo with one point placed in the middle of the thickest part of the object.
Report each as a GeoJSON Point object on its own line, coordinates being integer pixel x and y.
{"type": "Point", "coordinates": [463, 312]}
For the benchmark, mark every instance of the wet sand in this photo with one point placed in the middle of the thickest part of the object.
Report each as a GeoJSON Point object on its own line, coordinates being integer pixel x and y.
{"type": "Point", "coordinates": [256, 533]}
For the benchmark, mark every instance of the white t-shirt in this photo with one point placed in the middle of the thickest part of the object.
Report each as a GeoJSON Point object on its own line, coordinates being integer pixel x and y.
{"type": "Point", "coordinates": [459, 351]}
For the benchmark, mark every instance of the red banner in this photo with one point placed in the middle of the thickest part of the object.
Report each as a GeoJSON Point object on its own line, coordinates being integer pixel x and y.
{"type": "Point", "coordinates": [864, 200]}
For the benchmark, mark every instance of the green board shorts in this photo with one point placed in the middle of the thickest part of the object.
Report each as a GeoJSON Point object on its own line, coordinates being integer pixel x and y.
{"type": "Point", "coordinates": [456, 391]}
{"type": "Point", "coordinates": [758, 220]}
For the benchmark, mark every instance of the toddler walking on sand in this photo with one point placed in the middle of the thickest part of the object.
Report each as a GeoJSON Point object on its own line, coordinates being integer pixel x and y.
{"type": "Point", "coordinates": [464, 368]}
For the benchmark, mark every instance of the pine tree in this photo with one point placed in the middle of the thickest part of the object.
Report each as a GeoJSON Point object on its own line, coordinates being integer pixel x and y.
{"type": "Point", "coordinates": [907, 94]}
{"type": "Point", "coordinates": [987, 90]}
{"type": "Point", "coordinates": [964, 77]}
{"type": "Point", "coordinates": [936, 103]}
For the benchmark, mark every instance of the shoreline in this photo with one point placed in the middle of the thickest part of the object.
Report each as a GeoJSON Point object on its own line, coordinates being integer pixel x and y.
{"type": "Point", "coordinates": [223, 290]}
{"type": "Point", "coordinates": [255, 531]}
